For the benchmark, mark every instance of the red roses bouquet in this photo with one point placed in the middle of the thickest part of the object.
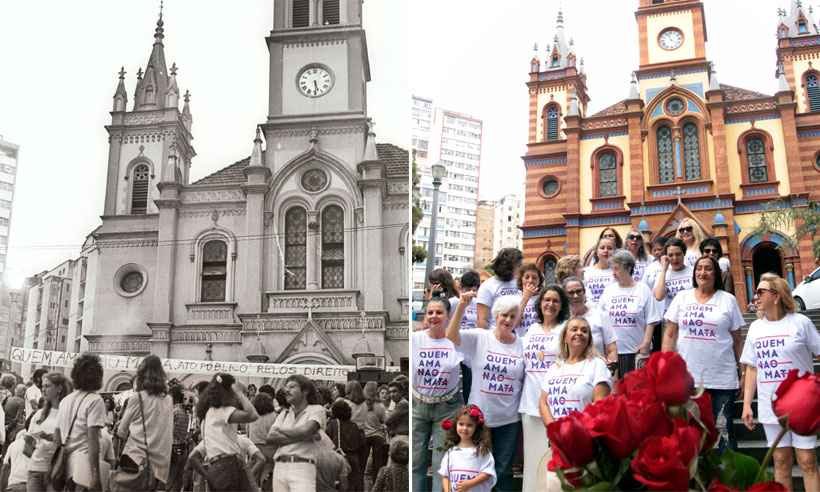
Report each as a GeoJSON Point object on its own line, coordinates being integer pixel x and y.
{"type": "Point", "coordinates": [656, 432]}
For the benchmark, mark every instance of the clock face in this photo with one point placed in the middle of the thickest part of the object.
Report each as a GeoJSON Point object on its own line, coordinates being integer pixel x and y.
{"type": "Point", "coordinates": [670, 39]}
{"type": "Point", "coordinates": [314, 81]}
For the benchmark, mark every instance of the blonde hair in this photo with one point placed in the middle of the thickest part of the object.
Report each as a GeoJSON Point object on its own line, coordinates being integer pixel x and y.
{"type": "Point", "coordinates": [589, 351]}
{"type": "Point", "coordinates": [697, 233]}
{"type": "Point", "coordinates": [567, 267]}
{"type": "Point", "coordinates": [781, 287]}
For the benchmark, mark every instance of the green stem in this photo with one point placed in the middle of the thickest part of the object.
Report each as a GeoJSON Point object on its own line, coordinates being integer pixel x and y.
{"type": "Point", "coordinates": [769, 454]}
{"type": "Point", "coordinates": [700, 484]}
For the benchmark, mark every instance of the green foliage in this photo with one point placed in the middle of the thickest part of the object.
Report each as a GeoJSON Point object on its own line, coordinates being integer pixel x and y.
{"type": "Point", "coordinates": [419, 254]}
{"type": "Point", "coordinates": [738, 470]}
{"type": "Point", "coordinates": [779, 216]}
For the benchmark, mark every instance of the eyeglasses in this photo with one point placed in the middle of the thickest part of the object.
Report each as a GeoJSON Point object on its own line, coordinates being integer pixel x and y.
{"type": "Point", "coordinates": [685, 229]}
{"type": "Point", "coordinates": [760, 291]}
{"type": "Point", "coordinates": [634, 237]}
{"type": "Point", "coordinates": [710, 251]}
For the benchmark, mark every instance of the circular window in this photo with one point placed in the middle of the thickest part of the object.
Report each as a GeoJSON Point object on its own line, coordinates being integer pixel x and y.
{"type": "Point", "coordinates": [674, 106]}
{"type": "Point", "coordinates": [130, 280]}
{"type": "Point", "coordinates": [550, 187]}
{"type": "Point", "coordinates": [314, 180]}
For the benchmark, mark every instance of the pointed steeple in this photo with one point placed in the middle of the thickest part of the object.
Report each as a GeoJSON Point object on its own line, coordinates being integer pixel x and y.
{"type": "Point", "coordinates": [798, 22]}
{"type": "Point", "coordinates": [120, 96]}
{"type": "Point", "coordinates": [256, 154]}
{"type": "Point", "coordinates": [633, 88]}
{"type": "Point", "coordinates": [370, 153]}
{"type": "Point", "coordinates": [562, 54]}
{"type": "Point", "coordinates": [172, 94]}
{"type": "Point", "coordinates": [782, 83]}
{"type": "Point", "coordinates": [187, 119]}
{"type": "Point", "coordinates": [152, 89]}
{"type": "Point", "coordinates": [714, 85]}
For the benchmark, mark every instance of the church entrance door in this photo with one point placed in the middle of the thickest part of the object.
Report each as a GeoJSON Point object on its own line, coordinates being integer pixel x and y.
{"type": "Point", "coordinates": [766, 258]}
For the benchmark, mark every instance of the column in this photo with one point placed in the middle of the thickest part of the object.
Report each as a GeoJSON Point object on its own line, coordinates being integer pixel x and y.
{"type": "Point", "coordinates": [750, 287]}
{"type": "Point", "coordinates": [372, 186]}
{"type": "Point", "coordinates": [250, 288]}
{"type": "Point", "coordinates": [313, 241]}
{"type": "Point", "coordinates": [163, 312]}
{"type": "Point", "coordinates": [114, 147]}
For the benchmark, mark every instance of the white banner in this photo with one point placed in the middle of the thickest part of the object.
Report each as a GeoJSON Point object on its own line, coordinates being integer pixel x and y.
{"type": "Point", "coordinates": [182, 366]}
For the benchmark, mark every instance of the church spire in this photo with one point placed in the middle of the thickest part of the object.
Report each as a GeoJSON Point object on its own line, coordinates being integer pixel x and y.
{"type": "Point", "coordinates": [562, 54]}
{"type": "Point", "coordinates": [120, 96]}
{"type": "Point", "coordinates": [153, 87]}
{"type": "Point", "coordinates": [799, 21]}
{"type": "Point", "coordinates": [187, 119]}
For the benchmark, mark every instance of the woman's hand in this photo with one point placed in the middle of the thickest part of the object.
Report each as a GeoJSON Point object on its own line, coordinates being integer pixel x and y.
{"type": "Point", "coordinates": [643, 348]}
{"type": "Point", "coordinates": [466, 297]}
{"type": "Point", "coordinates": [530, 290]}
{"type": "Point", "coordinates": [748, 417]}
{"type": "Point", "coordinates": [238, 387]}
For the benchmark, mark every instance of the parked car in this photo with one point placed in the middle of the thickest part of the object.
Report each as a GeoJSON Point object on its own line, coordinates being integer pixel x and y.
{"type": "Point", "coordinates": [807, 293]}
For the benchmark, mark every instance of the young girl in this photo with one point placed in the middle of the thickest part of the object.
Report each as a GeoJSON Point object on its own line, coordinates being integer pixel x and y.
{"type": "Point", "coordinates": [467, 461]}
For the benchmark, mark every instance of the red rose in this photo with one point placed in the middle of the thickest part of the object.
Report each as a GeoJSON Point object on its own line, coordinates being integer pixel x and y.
{"type": "Point", "coordinates": [659, 464]}
{"type": "Point", "coordinates": [648, 418]}
{"type": "Point", "coordinates": [799, 398]}
{"type": "Point", "coordinates": [767, 487]}
{"type": "Point", "coordinates": [704, 403]}
{"type": "Point", "coordinates": [608, 419]}
{"type": "Point", "coordinates": [716, 486]}
{"type": "Point", "coordinates": [446, 424]}
{"type": "Point", "coordinates": [688, 438]}
{"type": "Point", "coordinates": [673, 383]}
{"type": "Point", "coordinates": [571, 440]}
{"type": "Point", "coordinates": [637, 384]}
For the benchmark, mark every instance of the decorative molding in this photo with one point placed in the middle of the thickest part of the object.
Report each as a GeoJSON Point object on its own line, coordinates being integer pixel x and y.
{"type": "Point", "coordinates": [662, 73]}
{"type": "Point", "coordinates": [752, 118]}
{"type": "Point", "coordinates": [680, 191]}
{"type": "Point", "coordinates": [599, 220]}
{"type": "Point", "coordinates": [608, 204]}
{"type": "Point", "coordinates": [544, 232]}
{"type": "Point", "coordinates": [530, 162]}
{"type": "Point", "coordinates": [126, 243]}
{"type": "Point", "coordinates": [603, 123]}
{"type": "Point", "coordinates": [312, 301]}
{"type": "Point", "coordinates": [143, 118]}
{"type": "Point", "coordinates": [228, 212]}
{"type": "Point", "coordinates": [206, 335]}
{"type": "Point", "coordinates": [305, 132]}
{"type": "Point", "coordinates": [321, 42]}
{"type": "Point", "coordinates": [231, 195]}
{"type": "Point", "coordinates": [605, 134]}
{"type": "Point", "coordinates": [808, 133]}
{"type": "Point", "coordinates": [397, 333]}
{"type": "Point", "coordinates": [398, 187]}
{"type": "Point", "coordinates": [211, 313]}
{"type": "Point", "coordinates": [262, 323]}
{"type": "Point", "coordinates": [129, 347]}
{"type": "Point", "coordinates": [661, 208]}
{"type": "Point", "coordinates": [395, 204]}
{"type": "Point", "coordinates": [748, 107]}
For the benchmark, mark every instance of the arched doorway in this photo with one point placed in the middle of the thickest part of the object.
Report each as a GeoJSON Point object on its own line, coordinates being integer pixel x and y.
{"type": "Point", "coordinates": [766, 258]}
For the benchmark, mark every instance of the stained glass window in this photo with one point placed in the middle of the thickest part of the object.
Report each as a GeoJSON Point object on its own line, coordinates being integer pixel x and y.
{"type": "Point", "coordinates": [813, 90]}
{"type": "Point", "coordinates": [295, 248]}
{"type": "Point", "coordinates": [691, 151]}
{"type": "Point", "coordinates": [552, 123]}
{"type": "Point", "coordinates": [756, 157]}
{"type": "Point", "coordinates": [549, 270]}
{"type": "Point", "coordinates": [214, 271]}
{"type": "Point", "coordinates": [333, 248]}
{"type": "Point", "coordinates": [607, 174]}
{"type": "Point", "coordinates": [139, 190]}
{"type": "Point", "coordinates": [666, 161]}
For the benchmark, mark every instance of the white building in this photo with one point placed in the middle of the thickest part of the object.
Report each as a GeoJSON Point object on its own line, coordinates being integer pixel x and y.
{"type": "Point", "coordinates": [508, 216]}
{"type": "Point", "coordinates": [8, 176]}
{"type": "Point", "coordinates": [454, 140]}
{"type": "Point", "coordinates": [298, 252]}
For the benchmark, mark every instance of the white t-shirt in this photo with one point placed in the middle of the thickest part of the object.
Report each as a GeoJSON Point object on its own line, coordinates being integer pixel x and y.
{"type": "Point", "coordinates": [569, 387]}
{"type": "Point", "coordinates": [18, 460]}
{"type": "Point", "coordinates": [498, 375]}
{"type": "Point", "coordinates": [491, 290]}
{"type": "Point", "coordinates": [528, 317]}
{"type": "Point", "coordinates": [676, 281]}
{"type": "Point", "coordinates": [595, 281]}
{"type": "Point", "coordinates": [32, 393]}
{"type": "Point", "coordinates": [724, 264]}
{"type": "Point", "coordinates": [640, 269]}
{"type": "Point", "coordinates": [774, 348]}
{"type": "Point", "coordinates": [540, 350]}
{"type": "Point", "coordinates": [651, 273]}
{"type": "Point", "coordinates": [704, 337]}
{"type": "Point", "coordinates": [435, 364]}
{"type": "Point", "coordinates": [44, 450]}
{"type": "Point", "coordinates": [626, 311]}
{"type": "Point", "coordinates": [692, 256]}
{"type": "Point", "coordinates": [460, 464]}
{"type": "Point", "coordinates": [218, 434]}
{"type": "Point", "coordinates": [602, 334]}
{"type": "Point", "coordinates": [470, 315]}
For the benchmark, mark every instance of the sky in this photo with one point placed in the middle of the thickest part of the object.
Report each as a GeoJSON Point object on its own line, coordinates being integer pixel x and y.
{"type": "Point", "coordinates": [60, 64]}
{"type": "Point", "coordinates": [473, 57]}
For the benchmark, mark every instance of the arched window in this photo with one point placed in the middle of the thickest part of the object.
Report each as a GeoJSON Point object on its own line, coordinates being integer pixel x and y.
{"type": "Point", "coordinates": [607, 174]}
{"type": "Point", "coordinates": [551, 122]}
{"type": "Point", "coordinates": [214, 271]}
{"type": "Point", "coordinates": [691, 151]}
{"type": "Point", "coordinates": [300, 13]}
{"type": "Point", "coordinates": [295, 248]}
{"type": "Point", "coordinates": [333, 248]}
{"type": "Point", "coordinates": [139, 190]}
{"type": "Point", "coordinates": [666, 161]}
{"type": "Point", "coordinates": [330, 12]}
{"type": "Point", "coordinates": [756, 159]}
{"type": "Point", "coordinates": [549, 270]}
{"type": "Point", "coordinates": [813, 92]}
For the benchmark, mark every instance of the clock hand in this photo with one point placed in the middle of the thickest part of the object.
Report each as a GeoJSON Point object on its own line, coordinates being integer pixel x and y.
{"type": "Point", "coordinates": [316, 85]}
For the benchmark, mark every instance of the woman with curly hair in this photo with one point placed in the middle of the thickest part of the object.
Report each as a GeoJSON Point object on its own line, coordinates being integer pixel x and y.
{"type": "Point", "coordinates": [468, 462]}
{"type": "Point", "coordinates": [147, 422]}
{"type": "Point", "coordinates": [222, 407]}
{"type": "Point", "coordinates": [568, 266]}
{"type": "Point", "coordinates": [43, 430]}
{"type": "Point", "coordinates": [504, 283]}
{"type": "Point", "coordinates": [80, 417]}
{"type": "Point", "coordinates": [530, 280]}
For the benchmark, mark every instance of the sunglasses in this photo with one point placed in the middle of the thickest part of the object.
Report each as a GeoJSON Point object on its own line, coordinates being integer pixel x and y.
{"type": "Point", "coordinates": [710, 251]}
{"type": "Point", "coordinates": [685, 229]}
{"type": "Point", "coordinates": [634, 237]}
{"type": "Point", "coordinates": [759, 292]}
{"type": "Point", "coordinates": [573, 293]}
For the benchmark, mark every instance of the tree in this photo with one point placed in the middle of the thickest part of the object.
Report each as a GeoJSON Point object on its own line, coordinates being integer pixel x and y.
{"type": "Point", "coordinates": [419, 252]}
{"type": "Point", "coordinates": [781, 216]}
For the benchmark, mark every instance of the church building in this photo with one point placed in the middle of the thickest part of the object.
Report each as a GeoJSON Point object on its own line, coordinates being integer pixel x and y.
{"type": "Point", "coordinates": [680, 145]}
{"type": "Point", "coordinates": [296, 254]}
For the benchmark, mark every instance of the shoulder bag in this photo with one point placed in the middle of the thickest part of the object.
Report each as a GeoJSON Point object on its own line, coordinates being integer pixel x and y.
{"type": "Point", "coordinates": [59, 463]}
{"type": "Point", "coordinates": [130, 475]}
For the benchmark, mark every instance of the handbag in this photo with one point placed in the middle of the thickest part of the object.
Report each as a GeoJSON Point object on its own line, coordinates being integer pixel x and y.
{"type": "Point", "coordinates": [59, 463]}
{"type": "Point", "coordinates": [133, 476]}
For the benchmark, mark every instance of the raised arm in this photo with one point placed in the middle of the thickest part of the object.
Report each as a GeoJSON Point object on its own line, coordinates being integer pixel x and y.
{"type": "Point", "coordinates": [248, 413]}
{"type": "Point", "coordinates": [453, 329]}
{"type": "Point", "coordinates": [660, 281]}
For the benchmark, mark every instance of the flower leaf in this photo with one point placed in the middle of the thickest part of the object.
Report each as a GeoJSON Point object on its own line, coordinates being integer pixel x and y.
{"type": "Point", "coordinates": [738, 470]}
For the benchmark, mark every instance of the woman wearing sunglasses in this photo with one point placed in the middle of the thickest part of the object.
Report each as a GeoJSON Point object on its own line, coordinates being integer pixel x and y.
{"type": "Point", "coordinates": [779, 341]}
{"type": "Point", "coordinates": [692, 235]}
{"type": "Point", "coordinates": [703, 325]}
{"type": "Point", "coordinates": [634, 244]}
{"type": "Point", "coordinates": [674, 275]}
{"type": "Point", "coordinates": [603, 339]}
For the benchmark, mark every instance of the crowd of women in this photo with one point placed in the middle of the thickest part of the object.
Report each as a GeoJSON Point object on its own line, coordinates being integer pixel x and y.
{"type": "Point", "coordinates": [523, 352]}
{"type": "Point", "coordinates": [224, 437]}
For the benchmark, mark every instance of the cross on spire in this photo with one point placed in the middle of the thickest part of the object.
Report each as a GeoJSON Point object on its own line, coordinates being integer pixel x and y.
{"type": "Point", "coordinates": [174, 69]}
{"type": "Point", "coordinates": [122, 73]}
{"type": "Point", "coordinates": [187, 96]}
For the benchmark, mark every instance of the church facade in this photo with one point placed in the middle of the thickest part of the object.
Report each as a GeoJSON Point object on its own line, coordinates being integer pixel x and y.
{"type": "Point", "coordinates": [680, 145]}
{"type": "Point", "coordinates": [296, 254]}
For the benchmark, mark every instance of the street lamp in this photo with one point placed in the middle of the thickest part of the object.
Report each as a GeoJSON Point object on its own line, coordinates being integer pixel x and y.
{"type": "Point", "coordinates": [439, 172]}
